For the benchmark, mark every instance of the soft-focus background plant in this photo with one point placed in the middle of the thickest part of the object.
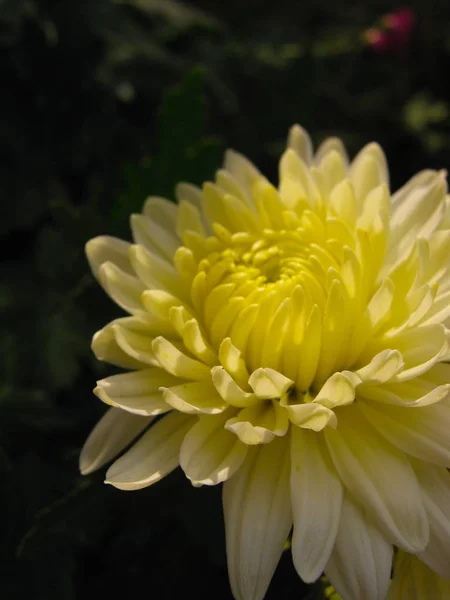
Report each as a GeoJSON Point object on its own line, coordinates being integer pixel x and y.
{"type": "Point", "coordinates": [104, 102]}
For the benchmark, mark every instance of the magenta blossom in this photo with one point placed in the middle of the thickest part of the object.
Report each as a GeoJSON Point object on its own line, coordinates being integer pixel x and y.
{"type": "Point", "coordinates": [395, 32]}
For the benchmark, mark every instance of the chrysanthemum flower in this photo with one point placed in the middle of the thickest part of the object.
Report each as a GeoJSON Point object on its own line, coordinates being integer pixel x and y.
{"type": "Point", "coordinates": [294, 339]}
{"type": "Point", "coordinates": [413, 580]}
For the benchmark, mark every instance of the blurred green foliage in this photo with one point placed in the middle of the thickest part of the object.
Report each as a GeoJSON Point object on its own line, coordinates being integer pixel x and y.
{"type": "Point", "coordinates": [104, 102]}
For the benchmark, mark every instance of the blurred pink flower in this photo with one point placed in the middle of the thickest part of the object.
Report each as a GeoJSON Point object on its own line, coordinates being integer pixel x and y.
{"type": "Point", "coordinates": [395, 32]}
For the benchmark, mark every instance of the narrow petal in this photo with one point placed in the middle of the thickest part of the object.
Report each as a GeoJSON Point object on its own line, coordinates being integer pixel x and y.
{"type": "Point", "coordinates": [258, 518]}
{"type": "Point", "coordinates": [300, 142]}
{"type": "Point", "coordinates": [197, 397]}
{"type": "Point", "coordinates": [230, 391]}
{"type": "Point", "coordinates": [161, 211]}
{"type": "Point", "coordinates": [136, 344]}
{"type": "Point", "coordinates": [154, 236]}
{"type": "Point", "coordinates": [413, 580]}
{"type": "Point", "coordinates": [421, 391]}
{"type": "Point", "coordinates": [435, 484]}
{"type": "Point", "coordinates": [268, 383]}
{"type": "Point", "coordinates": [360, 564]}
{"type": "Point", "coordinates": [115, 430]}
{"type": "Point", "coordinates": [259, 424]}
{"type": "Point", "coordinates": [311, 416]}
{"type": "Point", "coordinates": [104, 249]}
{"type": "Point", "coordinates": [381, 478]}
{"type": "Point", "coordinates": [241, 169]}
{"type": "Point", "coordinates": [368, 171]}
{"type": "Point", "coordinates": [153, 457]}
{"type": "Point", "coordinates": [123, 288]}
{"type": "Point", "coordinates": [422, 432]}
{"type": "Point", "coordinates": [178, 363]}
{"type": "Point", "coordinates": [210, 454]}
{"type": "Point", "coordinates": [338, 390]}
{"type": "Point", "coordinates": [155, 272]}
{"type": "Point", "coordinates": [316, 493]}
{"type": "Point", "coordinates": [116, 344]}
{"type": "Point", "coordinates": [385, 365]}
{"type": "Point", "coordinates": [136, 392]}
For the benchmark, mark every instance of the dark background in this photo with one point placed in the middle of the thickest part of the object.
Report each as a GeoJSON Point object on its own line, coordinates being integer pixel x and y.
{"type": "Point", "coordinates": [103, 102]}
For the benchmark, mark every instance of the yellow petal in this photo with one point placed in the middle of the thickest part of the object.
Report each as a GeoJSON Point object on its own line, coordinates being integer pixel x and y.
{"type": "Point", "coordinates": [108, 249]}
{"type": "Point", "coordinates": [259, 424]}
{"type": "Point", "coordinates": [311, 416]}
{"type": "Point", "coordinates": [257, 511]}
{"type": "Point", "coordinates": [123, 288]}
{"type": "Point", "coordinates": [210, 454]}
{"type": "Point", "coordinates": [115, 430]}
{"type": "Point", "coordinates": [316, 493]}
{"type": "Point", "coordinates": [230, 391]}
{"type": "Point", "coordinates": [199, 397]}
{"type": "Point", "coordinates": [178, 363]}
{"type": "Point", "coordinates": [154, 456]}
{"type": "Point", "coordinates": [338, 390]}
{"type": "Point", "coordinates": [136, 392]}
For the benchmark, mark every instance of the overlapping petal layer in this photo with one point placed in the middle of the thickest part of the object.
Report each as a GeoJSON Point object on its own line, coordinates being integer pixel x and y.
{"type": "Point", "coordinates": [297, 338]}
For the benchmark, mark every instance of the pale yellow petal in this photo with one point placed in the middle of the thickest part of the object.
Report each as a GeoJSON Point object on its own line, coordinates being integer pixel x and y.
{"type": "Point", "coordinates": [381, 479]}
{"type": "Point", "coordinates": [136, 392]}
{"type": "Point", "coordinates": [230, 391]}
{"type": "Point", "coordinates": [360, 564]}
{"type": "Point", "coordinates": [176, 362]}
{"type": "Point", "coordinates": [316, 493]}
{"type": "Point", "coordinates": [259, 424]}
{"type": "Point", "coordinates": [153, 456]}
{"type": "Point", "coordinates": [196, 397]}
{"type": "Point", "coordinates": [115, 430]}
{"type": "Point", "coordinates": [210, 454]}
{"type": "Point", "coordinates": [123, 288]}
{"type": "Point", "coordinates": [108, 249]}
{"type": "Point", "coordinates": [154, 236]}
{"type": "Point", "coordinates": [422, 432]}
{"type": "Point", "coordinates": [257, 511]}
{"type": "Point", "coordinates": [435, 484]}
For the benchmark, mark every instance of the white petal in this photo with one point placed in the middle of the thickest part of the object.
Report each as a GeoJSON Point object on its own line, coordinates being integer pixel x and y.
{"type": "Point", "coordinates": [161, 211]}
{"type": "Point", "coordinates": [209, 453]}
{"type": "Point", "coordinates": [338, 390]}
{"type": "Point", "coordinates": [186, 192]}
{"type": "Point", "coordinates": [368, 170]}
{"type": "Point", "coordinates": [300, 141]}
{"type": "Point", "coordinates": [418, 206]}
{"type": "Point", "coordinates": [108, 249]}
{"type": "Point", "coordinates": [176, 362]}
{"type": "Point", "coordinates": [195, 397]}
{"type": "Point", "coordinates": [435, 483]}
{"type": "Point", "coordinates": [123, 288]}
{"type": "Point", "coordinates": [155, 272]}
{"type": "Point", "coordinates": [422, 432]}
{"type": "Point", "coordinates": [242, 169]}
{"type": "Point", "coordinates": [115, 430]}
{"type": "Point", "coordinates": [153, 457]}
{"type": "Point", "coordinates": [381, 478]}
{"type": "Point", "coordinates": [258, 518]}
{"type": "Point", "coordinates": [105, 348]}
{"type": "Point", "coordinates": [382, 367]}
{"type": "Point", "coordinates": [136, 392]}
{"type": "Point", "coordinates": [154, 236]}
{"type": "Point", "coordinates": [360, 564]}
{"type": "Point", "coordinates": [259, 424]}
{"type": "Point", "coordinates": [316, 493]}
{"type": "Point", "coordinates": [268, 383]}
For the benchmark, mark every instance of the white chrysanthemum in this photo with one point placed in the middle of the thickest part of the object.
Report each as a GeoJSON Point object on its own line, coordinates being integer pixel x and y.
{"type": "Point", "coordinates": [296, 338]}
